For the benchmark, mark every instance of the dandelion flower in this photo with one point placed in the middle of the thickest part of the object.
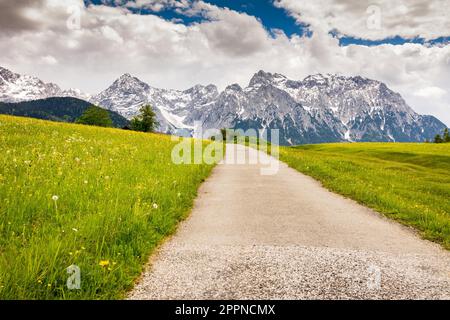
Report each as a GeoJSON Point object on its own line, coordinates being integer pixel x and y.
{"type": "Point", "coordinates": [155, 206]}
{"type": "Point", "coordinates": [85, 182]}
{"type": "Point", "coordinates": [55, 198]}
{"type": "Point", "coordinates": [103, 263]}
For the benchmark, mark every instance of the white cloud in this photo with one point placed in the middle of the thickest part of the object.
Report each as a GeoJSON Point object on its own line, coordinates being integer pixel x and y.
{"type": "Point", "coordinates": [153, 5]}
{"type": "Point", "coordinates": [50, 60]}
{"type": "Point", "coordinates": [431, 92]}
{"type": "Point", "coordinates": [374, 19]}
{"type": "Point", "coordinates": [229, 47]}
{"type": "Point", "coordinates": [111, 34]}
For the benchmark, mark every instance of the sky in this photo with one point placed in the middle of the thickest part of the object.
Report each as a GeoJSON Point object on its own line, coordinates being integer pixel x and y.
{"type": "Point", "coordinates": [181, 43]}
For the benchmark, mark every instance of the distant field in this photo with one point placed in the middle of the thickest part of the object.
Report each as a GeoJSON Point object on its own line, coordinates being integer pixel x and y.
{"type": "Point", "coordinates": [101, 199]}
{"type": "Point", "coordinates": [405, 181]}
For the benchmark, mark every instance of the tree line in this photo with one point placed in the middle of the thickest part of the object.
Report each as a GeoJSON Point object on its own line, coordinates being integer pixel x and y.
{"type": "Point", "coordinates": [145, 121]}
{"type": "Point", "coordinates": [442, 139]}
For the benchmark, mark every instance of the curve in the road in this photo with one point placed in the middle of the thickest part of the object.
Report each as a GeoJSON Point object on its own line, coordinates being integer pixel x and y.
{"type": "Point", "coordinates": [284, 236]}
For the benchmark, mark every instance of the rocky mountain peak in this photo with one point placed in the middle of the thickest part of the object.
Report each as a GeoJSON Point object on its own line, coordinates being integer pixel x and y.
{"type": "Point", "coordinates": [7, 75]}
{"type": "Point", "coordinates": [202, 90]}
{"type": "Point", "coordinates": [233, 88]}
{"type": "Point", "coordinates": [130, 84]}
{"type": "Point", "coordinates": [264, 78]}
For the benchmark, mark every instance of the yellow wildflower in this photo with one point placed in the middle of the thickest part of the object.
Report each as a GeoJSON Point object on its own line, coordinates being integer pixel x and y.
{"type": "Point", "coordinates": [104, 263]}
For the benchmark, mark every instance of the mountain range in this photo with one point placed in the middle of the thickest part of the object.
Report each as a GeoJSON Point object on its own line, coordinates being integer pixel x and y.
{"type": "Point", "coordinates": [319, 108]}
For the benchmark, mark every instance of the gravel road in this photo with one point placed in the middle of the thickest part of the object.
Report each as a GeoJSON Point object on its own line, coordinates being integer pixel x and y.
{"type": "Point", "coordinates": [283, 236]}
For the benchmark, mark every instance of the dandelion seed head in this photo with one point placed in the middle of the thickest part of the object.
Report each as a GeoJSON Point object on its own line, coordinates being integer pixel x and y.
{"type": "Point", "coordinates": [155, 206]}
{"type": "Point", "coordinates": [55, 198]}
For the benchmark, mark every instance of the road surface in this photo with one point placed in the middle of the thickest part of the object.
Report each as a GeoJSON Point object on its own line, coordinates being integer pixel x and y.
{"type": "Point", "coordinates": [283, 236]}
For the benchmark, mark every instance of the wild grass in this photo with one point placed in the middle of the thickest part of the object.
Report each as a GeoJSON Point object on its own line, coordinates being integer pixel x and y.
{"type": "Point", "coordinates": [405, 181]}
{"type": "Point", "coordinates": [100, 199]}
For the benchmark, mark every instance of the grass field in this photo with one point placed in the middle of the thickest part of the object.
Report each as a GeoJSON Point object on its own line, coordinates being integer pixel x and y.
{"type": "Point", "coordinates": [100, 199]}
{"type": "Point", "coordinates": [407, 182]}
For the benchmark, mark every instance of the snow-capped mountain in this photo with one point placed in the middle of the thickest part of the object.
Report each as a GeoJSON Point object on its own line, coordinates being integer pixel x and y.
{"type": "Point", "coordinates": [360, 109]}
{"type": "Point", "coordinates": [15, 87]}
{"type": "Point", "coordinates": [172, 107]}
{"type": "Point", "coordinates": [319, 108]}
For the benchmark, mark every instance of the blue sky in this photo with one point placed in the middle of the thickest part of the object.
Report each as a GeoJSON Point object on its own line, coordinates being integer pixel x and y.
{"type": "Point", "coordinates": [264, 10]}
{"type": "Point", "coordinates": [272, 18]}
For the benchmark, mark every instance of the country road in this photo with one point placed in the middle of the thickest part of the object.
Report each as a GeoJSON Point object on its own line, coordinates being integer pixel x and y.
{"type": "Point", "coordinates": [284, 236]}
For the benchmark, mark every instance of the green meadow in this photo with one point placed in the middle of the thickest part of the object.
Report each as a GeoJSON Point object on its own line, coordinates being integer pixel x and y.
{"type": "Point", "coordinates": [100, 199]}
{"type": "Point", "coordinates": [408, 182]}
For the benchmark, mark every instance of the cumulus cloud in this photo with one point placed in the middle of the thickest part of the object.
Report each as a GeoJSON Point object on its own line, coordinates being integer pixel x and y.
{"type": "Point", "coordinates": [431, 92]}
{"type": "Point", "coordinates": [153, 5]}
{"type": "Point", "coordinates": [374, 19]}
{"type": "Point", "coordinates": [17, 15]}
{"type": "Point", "coordinates": [227, 47]}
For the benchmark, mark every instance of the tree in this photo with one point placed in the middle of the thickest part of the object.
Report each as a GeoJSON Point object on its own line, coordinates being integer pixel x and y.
{"type": "Point", "coordinates": [446, 137]}
{"type": "Point", "coordinates": [145, 121]}
{"type": "Point", "coordinates": [95, 116]}
{"type": "Point", "coordinates": [438, 139]}
{"type": "Point", "coordinates": [224, 134]}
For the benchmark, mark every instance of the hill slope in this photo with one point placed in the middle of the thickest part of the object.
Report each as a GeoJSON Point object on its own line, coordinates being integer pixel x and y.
{"type": "Point", "coordinates": [62, 109]}
{"type": "Point", "coordinates": [97, 198]}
